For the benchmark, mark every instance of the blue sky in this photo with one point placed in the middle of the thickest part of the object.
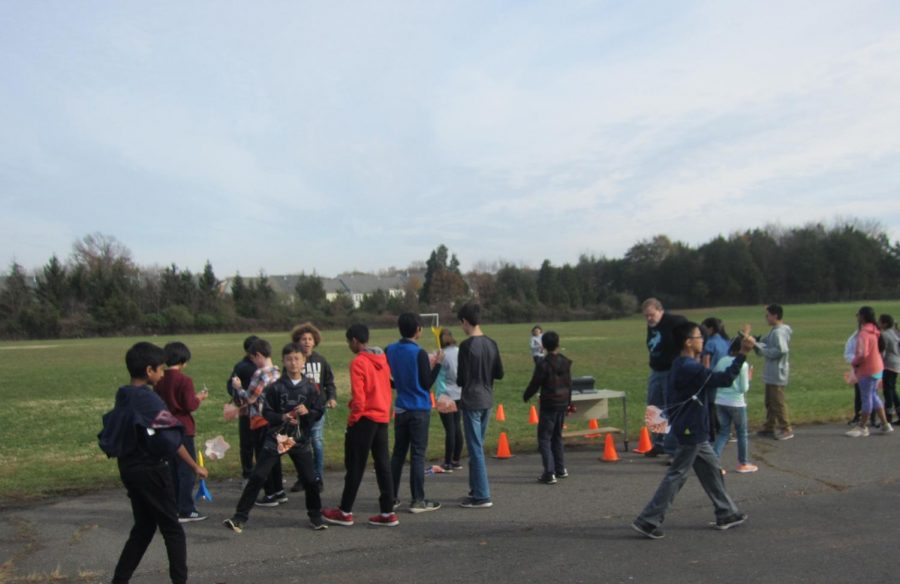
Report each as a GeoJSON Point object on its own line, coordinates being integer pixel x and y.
{"type": "Point", "coordinates": [300, 136]}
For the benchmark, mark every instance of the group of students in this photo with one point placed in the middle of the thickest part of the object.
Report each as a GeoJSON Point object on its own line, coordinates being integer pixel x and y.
{"type": "Point", "coordinates": [873, 353]}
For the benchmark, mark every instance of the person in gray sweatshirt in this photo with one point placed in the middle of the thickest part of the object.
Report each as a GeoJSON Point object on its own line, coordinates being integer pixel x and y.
{"type": "Point", "coordinates": [774, 348]}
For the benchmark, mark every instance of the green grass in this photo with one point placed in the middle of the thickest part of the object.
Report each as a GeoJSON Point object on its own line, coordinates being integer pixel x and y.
{"type": "Point", "coordinates": [54, 392]}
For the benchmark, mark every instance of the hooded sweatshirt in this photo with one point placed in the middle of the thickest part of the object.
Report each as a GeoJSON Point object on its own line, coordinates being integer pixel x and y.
{"type": "Point", "coordinates": [774, 347]}
{"type": "Point", "coordinates": [370, 387]}
{"type": "Point", "coordinates": [867, 361]}
{"type": "Point", "coordinates": [553, 377]}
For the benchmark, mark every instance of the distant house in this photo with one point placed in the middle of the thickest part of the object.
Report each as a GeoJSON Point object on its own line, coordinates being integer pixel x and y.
{"type": "Point", "coordinates": [356, 285]}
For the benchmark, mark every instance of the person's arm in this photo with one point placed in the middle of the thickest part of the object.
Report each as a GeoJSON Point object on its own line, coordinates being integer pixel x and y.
{"type": "Point", "coordinates": [537, 380]}
{"type": "Point", "coordinates": [862, 351]}
{"type": "Point", "coordinates": [773, 347]}
{"type": "Point", "coordinates": [314, 406]}
{"type": "Point", "coordinates": [743, 379]}
{"type": "Point", "coordinates": [185, 456]}
{"type": "Point", "coordinates": [427, 374]}
{"type": "Point", "coordinates": [328, 385]}
{"type": "Point", "coordinates": [187, 397]}
{"type": "Point", "coordinates": [462, 364]}
{"type": "Point", "coordinates": [498, 364]}
{"type": "Point", "coordinates": [357, 391]}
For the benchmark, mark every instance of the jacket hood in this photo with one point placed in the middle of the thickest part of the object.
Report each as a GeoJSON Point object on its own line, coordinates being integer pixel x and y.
{"type": "Point", "coordinates": [375, 356]}
{"type": "Point", "coordinates": [871, 329]}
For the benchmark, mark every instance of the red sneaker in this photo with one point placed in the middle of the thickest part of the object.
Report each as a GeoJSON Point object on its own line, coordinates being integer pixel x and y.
{"type": "Point", "coordinates": [389, 520]}
{"type": "Point", "coordinates": [338, 517]}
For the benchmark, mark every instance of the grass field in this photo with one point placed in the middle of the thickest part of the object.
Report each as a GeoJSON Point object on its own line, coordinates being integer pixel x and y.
{"type": "Point", "coordinates": [54, 392]}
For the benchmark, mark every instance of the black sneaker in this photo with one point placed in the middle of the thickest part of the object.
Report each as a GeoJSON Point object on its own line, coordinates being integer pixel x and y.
{"type": "Point", "coordinates": [458, 466]}
{"type": "Point", "coordinates": [562, 475]}
{"type": "Point", "coordinates": [234, 525]}
{"type": "Point", "coordinates": [447, 467]}
{"type": "Point", "coordinates": [396, 504]}
{"type": "Point", "coordinates": [547, 479]}
{"type": "Point", "coordinates": [473, 503]}
{"type": "Point", "coordinates": [655, 451]}
{"type": "Point", "coordinates": [279, 498]}
{"type": "Point", "coordinates": [317, 523]}
{"type": "Point", "coordinates": [647, 530]}
{"type": "Point", "coordinates": [730, 521]}
{"type": "Point", "coordinates": [191, 517]}
{"type": "Point", "coordinates": [423, 506]}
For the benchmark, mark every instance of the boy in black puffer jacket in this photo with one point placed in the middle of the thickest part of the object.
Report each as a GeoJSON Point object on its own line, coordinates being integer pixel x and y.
{"type": "Point", "coordinates": [553, 377]}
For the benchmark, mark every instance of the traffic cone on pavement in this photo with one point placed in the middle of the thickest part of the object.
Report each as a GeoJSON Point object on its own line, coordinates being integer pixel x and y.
{"type": "Point", "coordinates": [532, 416]}
{"type": "Point", "coordinates": [501, 415]}
{"type": "Point", "coordinates": [609, 450]}
{"type": "Point", "coordinates": [503, 447]}
{"type": "Point", "coordinates": [593, 425]}
{"type": "Point", "coordinates": [644, 443]}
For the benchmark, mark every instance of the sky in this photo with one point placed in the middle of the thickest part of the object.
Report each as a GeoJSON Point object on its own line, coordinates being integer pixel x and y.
{"type": "Point", "coordinates": [333, 136]}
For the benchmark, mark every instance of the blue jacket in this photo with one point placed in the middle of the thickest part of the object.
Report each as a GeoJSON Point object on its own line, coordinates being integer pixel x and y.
{"type": "Point", "coordinates": [412, 375]}
{"type": "Point", "coordinates": [688, 392]}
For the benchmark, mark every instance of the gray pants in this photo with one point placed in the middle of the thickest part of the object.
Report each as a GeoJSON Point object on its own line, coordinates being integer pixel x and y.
{"type": "Point", "coordinates": [703, 460]}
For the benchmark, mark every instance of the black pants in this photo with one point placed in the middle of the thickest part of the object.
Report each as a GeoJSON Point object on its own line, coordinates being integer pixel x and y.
{"type": "Point", "coordinates": [153, 506]}
{"type": "Point", "coordinates": [302, 456]}
{"type": "Point", "coordinates": [361, 438]}
{"type": "Point", "coordinates": [248, 446]}
{"type": "Point", "coordinates": [891, 399]}
{"type": "Point", "coordinates": [550, 442]}
{"type": "Point", "coordinates": [274, 483]}
{"type": "Point", "coordinates": [453, 436]}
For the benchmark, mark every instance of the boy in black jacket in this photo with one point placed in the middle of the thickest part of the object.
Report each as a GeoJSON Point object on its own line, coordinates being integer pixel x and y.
{"type": "Point", "coordinates": [291, 406]}
{"type": "Point", "coordinates": [553, 377]}
{"type": "Point", "coordinates": [142, 434]}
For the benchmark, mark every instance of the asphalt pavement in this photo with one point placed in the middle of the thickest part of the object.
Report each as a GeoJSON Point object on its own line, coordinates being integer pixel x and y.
{"type": "Point", "coordinates": [822, 508]}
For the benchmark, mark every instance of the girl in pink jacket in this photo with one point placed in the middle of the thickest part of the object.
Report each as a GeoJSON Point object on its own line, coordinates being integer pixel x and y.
{"type": "Point", "coordinates": [869, 368]}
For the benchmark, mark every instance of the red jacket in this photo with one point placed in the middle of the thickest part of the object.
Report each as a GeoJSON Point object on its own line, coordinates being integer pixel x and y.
{"type": "Point", "coordinates": [370, 387]}
{"type": "Point", "coordinates": [868, 358]}
{"type": "Point", "coordinates": [177, 390]}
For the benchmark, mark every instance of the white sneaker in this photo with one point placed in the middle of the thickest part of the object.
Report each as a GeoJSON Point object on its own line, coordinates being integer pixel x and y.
{"type": "Point", "coordinates": [886, 428]}
{"type": "Point", "coordinates": [858, 431]}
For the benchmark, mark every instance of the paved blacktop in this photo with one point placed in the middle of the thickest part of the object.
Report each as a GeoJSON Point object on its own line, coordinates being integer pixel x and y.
{"type": "Point", "coordinates": [822, 508]}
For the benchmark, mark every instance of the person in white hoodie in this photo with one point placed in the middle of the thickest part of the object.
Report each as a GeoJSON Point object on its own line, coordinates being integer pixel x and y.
{"type": "Point", "coordinates": [775, 349]}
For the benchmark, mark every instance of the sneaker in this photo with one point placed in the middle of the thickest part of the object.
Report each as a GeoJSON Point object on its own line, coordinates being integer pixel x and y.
{"type": "Point", "coordinates": [854, 421]}
{"type": "Point", "coordinates": [724, 472]}
{"type": "Point", "coordinates": [317, 524]}
{"type": "Point", "coordinates": [655, 451]}
{"type": "Point", "coordinates": [745, 468]}
{"type": "Point", "coordinates": [547, 479]}
{"type": "Point", "coordinates": [298, 487]}
{"type": "Point", "coordinates": [279, 498]}
{"type": "Point", "coordinates": [730, 521]}
{"type": "Point", "coordinates": [191, 517]}
{"type": "Point", "coordinates": [473, 503]}
{"type": "Point", "coordinates": [337, 516]}
{"type": "Point", "coordinates": [389, 520]}
{"type": "Point", "coordinates": [732, 437]}
{"type": "Point", "coordinates": [423, 506]}
{"type": "Point", "coordinates": [766, 434]}
{"type": "Point", "coordinates": [887, 429]}
{"type": "Point", "coordinates": [396, 504]}
{"type": "Point", "coordinates": [784, 435]}
{"type": "Point", "coordinates": [456, 465]}
{"type": "Point", "coordinates": [562, 475]}
{"type": "Point", "coordinates": [858, 432]}
{"type": "Point", "coordinates": [234, 525]}
{"type": "Point", "coordinates": [447, 467]}
{"type": "Point", "coordinates": [647, 530]}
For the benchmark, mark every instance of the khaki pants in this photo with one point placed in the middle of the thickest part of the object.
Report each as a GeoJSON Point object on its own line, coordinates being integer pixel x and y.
{"type": "Point", "coordinates": [776, 409]}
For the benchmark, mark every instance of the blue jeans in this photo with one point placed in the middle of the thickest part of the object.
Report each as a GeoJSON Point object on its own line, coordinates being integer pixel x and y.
{"type": "Point", "coordinates": [475, 423]}
{"type": "Point", "coordinates": [317, 433]}
{"type": "Point", "coordinates": [737, 415]}
{"type": "Point", "coordinates": [183, 477]}
{"type": "Point", "coordinates": [410, 435]}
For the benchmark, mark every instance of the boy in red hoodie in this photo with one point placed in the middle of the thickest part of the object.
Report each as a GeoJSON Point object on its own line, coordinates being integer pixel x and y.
{"type": "Point", "coordinates": [367, 430]}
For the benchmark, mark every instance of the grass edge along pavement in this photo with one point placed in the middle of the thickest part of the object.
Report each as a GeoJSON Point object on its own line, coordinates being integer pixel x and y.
{"type": "Point", "coordinates": [57, 390]}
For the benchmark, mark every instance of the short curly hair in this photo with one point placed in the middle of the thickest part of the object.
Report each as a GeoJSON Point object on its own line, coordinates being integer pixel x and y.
{"type": "Point", "coordinates": [307, 327]}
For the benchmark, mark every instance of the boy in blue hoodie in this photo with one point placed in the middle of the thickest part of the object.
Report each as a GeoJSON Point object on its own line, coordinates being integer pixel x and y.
{"type": "Point", "coordinates": [688, 390]}
{"type": "Point", "coordinates": [412, 376]}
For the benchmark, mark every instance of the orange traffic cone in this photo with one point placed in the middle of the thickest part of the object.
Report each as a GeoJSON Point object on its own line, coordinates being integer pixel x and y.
{"type": "Point", "coordinates": [503, 447]}
{"type": "Point", "coordinates": [593, 425]}
{"type": "Point", "coordinates": [609, 450]}
{"type": "Point", "coordinates": [644, 443]}
{"type": "Point", "coordinates": [501, 415]}
{"type": "Point", "coordinates": [433, 401]}
{"type": "Point", "coordinates": [533, 417]}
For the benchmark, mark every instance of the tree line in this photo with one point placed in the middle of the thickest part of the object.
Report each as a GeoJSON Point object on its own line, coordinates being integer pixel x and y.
{"type": "Point", "coordinates": [99, 290]}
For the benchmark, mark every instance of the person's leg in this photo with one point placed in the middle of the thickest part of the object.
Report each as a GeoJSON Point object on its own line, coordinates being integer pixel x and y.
{"type": "Point", "coordinates": [709, 473]}
{"type": "Point", "coordinates": [383, 468]}
{"type": "Point", "coordinates": [457, 431]}
{"type": "Point", "coordinates": [739, 416]}
{"type": "Point", "coordinates": [769, 425]}
{"type": "Point", "coordinates": [724, 414]}
{"type": "Point", "coordinates": [449, 437]}
{"type": "Point", "coordinates": [866, 402]}
{"type": "Point", "coordinates": [544, 434]}
{"type": "Point", "coordinates": [247, 446]}
{"type": "Point", "coordinates": [401, 447]}
{"type": "Point", "coordinates": [304, 459]}
{"type": "Point", "coordinates": [357, 441]}
{"type": "Point", "coordinates": [891, 399]}
{"type": "Point", "coordinates": [317, 433]}
{"type": "Point", "coordinates": [656, 385]}
{"type": "Point", "coordinates": [779, 404]}
{"type": "Point", "coordinates": [141, 532]}
{"type": "Point", "coordinates": [184, 487]}
{"type": "Point", "coordinates": [556, 444]}
{"type": "Point", "coordinates": [475, 425]}
{"type": "Point", "coordinates": [857, 402]}
{"type": "Point", "coordinates": [654, 513]}
{"type": "Point", "coordinates": [418, 439]}
{"type": "Point", "coordinates": [265, 460]}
